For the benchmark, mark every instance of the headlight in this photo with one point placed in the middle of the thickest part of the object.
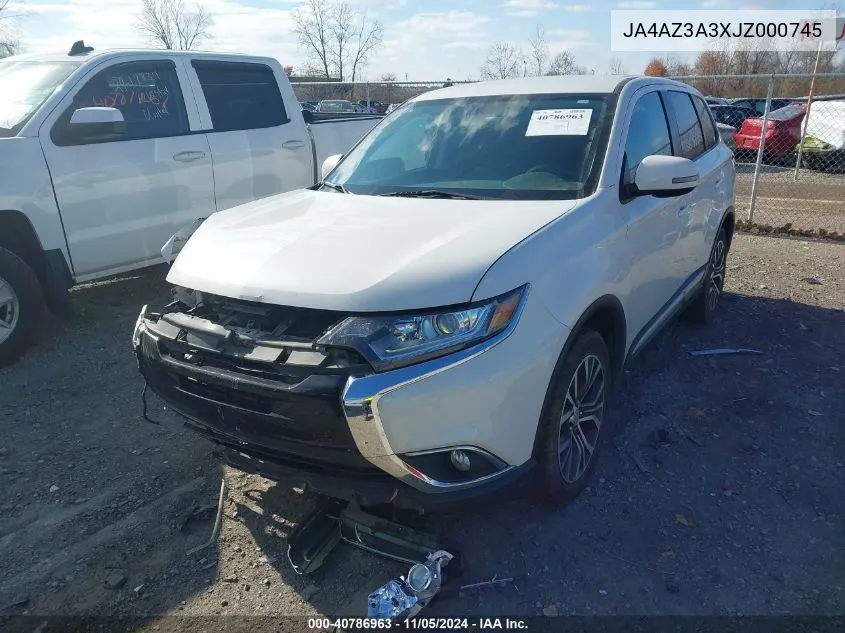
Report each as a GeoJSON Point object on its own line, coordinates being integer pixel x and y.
{"type": "Point", "coordinates": [392, 341]}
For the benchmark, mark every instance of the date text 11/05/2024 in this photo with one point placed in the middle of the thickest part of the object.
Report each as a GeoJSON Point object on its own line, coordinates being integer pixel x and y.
{"type": "Point", "coordinates": [422, 624]}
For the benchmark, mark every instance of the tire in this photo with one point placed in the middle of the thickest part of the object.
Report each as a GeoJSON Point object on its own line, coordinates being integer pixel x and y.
{"type": "Point", "coordinates": [561, 472]}
{"type": "Point", "coordinates": [702, 308]}
{"type": "Point", "coordinates": [21, 307]}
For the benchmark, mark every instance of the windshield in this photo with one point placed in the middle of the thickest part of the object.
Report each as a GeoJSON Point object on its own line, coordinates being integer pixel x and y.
{"type": "Point", "coordinates": [24, 86]}
{"type": "Point", "coordinates": [517, 147]}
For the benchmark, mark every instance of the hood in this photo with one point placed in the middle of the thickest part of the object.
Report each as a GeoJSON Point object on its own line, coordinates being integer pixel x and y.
{"type": "Point", "coordinates": [333, 251]}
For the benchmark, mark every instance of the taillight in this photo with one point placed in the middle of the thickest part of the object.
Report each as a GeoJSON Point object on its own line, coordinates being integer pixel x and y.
{"type": "Point", "coordinates": [771, 125]}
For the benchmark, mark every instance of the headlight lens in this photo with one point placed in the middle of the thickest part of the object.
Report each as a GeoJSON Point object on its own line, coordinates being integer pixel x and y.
{"type": "Point", "coordinates": [393, 341]}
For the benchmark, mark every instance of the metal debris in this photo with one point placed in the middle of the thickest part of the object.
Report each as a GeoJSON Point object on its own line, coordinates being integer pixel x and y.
{"type": "Point", "coordinates": [217, 521]}
{"type": "Point", "coordinates": [724, 351]}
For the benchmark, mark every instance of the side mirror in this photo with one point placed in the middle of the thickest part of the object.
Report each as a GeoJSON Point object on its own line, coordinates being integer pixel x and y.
{"type": "Point", "coordinates": [666, 176]}
{"type": "Point", "coordinates": [329, 164]}
{"type": "Point", "coordinates": [96, 122]}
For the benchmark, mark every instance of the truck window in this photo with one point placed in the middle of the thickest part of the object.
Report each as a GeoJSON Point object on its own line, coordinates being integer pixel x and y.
{"type": "Point", "coordinates": [146, 93]}
{"type": "Point", "coordinates": [241, 96]}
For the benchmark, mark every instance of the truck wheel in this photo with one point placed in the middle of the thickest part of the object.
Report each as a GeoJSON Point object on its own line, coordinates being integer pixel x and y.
{"type": "Point", "coordinates": [21, 307]}
{"type": "Point", "coordinates": [703, 306]}
{"type": "Point", "coordinates": [574, 425]}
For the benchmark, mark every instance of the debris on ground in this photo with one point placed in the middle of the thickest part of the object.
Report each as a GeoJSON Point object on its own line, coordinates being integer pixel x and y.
{"type": "Point", "coordinates": [680, 518]}
{"type": "Point", "coordinates": [724, 351]}
{"type": "Point", "coordinates": [672, 585]}
{"type": "Point", "coordinates": [115, 580]}
{"type": "Point", "coordinates": [406, 596]}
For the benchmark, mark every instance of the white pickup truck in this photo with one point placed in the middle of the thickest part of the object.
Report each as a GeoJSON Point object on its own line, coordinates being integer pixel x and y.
{"type": "Point", "coordinates": [104, 155]}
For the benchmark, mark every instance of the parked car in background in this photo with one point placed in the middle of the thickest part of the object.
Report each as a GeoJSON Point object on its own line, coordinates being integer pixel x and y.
{"type": "Point", "coordinates": [335, 105]}
{"type": "Point", "coordinates": [104, 155]}
{"type": "Point", "coordinates": [824, 137]}
{"type": "Point", "coordinates": [307, 107]}
{"type": "Point", "coordinates": [731, 115]}
{"type": "Point", "coordinates": [391, 108]}
{"type": "Point", "coordinates": [715, 101]}
{"type": "Point", "coordinates": [726, 132]}
{"type": "Point", "coordinates": [783, 132]}
{"type": "Point", "coordinates": [376, 106]}
{"type": "Point", "coordinates": [759, 105]}
{"type": "Point", "coordinates": [445, 314]}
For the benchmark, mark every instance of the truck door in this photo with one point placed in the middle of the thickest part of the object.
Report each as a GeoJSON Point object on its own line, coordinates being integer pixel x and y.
{"type": "Point", "coordinates": [122, 197]}
{"type": "Point", "coordinates": [255, 129]}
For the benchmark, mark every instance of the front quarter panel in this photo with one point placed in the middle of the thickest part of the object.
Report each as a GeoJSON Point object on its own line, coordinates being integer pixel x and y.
{"type": "Point", "coordinates": [571, 262]}
{"type": "Point", "coordinates": [25, 186]}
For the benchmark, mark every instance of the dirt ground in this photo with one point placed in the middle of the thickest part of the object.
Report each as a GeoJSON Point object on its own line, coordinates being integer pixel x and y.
{"type": "Point", "coordinates": [720, 493]}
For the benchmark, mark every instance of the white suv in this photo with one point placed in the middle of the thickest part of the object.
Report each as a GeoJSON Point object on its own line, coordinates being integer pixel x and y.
{"type": "Point", "coordinates": [446, 312]}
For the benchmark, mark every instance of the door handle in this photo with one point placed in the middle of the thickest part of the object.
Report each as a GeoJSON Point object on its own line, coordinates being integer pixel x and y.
{"type": "Point", "coordinates": [293, 144]}
{"type": "Point", "coordinates": [188, 157]}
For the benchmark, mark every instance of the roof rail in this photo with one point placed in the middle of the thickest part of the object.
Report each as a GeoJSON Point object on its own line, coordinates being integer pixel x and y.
{"type": "Point", "coordinates": [79, 48]}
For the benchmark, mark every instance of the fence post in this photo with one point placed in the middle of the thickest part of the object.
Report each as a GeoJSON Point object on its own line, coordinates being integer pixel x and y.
{"type": "Point", "coordinates": [761, 148]}
{"type": "Point", "coordinates": [807, 114]}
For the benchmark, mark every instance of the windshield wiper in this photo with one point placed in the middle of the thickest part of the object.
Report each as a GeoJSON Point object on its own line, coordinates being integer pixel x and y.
{"type": "Point", "coordinates": [429, 193]}
{"type": "Point", "coordinates": [338, 188]}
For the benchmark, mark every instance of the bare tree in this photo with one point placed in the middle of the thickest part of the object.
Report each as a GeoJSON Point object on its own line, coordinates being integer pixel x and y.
{"type": "Point", "coordinates": [564, 64]}
{"type": "Point", "coordinates": [539, 52]}
{"type": "Point", "coordinates": [335, 37]}
{"type": "Point", "coordinates": [9, 43]}
{"type": "Point", "coordinates": [169, 24]}
{"type": "Point", "coordinates": [502, 62]}
{"type": "Point", "coordinates": [617, 66]}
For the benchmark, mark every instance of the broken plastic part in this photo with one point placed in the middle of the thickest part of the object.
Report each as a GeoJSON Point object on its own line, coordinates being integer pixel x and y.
{"type": "Point", "coordinates": [391, 601]}
{"type": "Point", "coordinates": [401, 598]}
{"type": "Point", "coordinates": [172, 246]}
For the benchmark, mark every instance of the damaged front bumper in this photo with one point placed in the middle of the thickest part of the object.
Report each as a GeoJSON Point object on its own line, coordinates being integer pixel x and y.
{"type": "Point", "coordinates": [286, 411]}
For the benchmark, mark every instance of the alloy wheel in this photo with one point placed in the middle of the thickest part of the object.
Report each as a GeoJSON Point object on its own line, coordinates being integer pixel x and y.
{"type": "Point", "coordinates": [717, 273]}
{"type": "Point", "coordinates": [9, 310]}
{"type": "Point", "coordinates": [581, 419]}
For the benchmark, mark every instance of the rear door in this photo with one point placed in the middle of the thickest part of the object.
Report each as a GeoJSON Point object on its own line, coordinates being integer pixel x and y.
{"type": "Point", "coordinates": [259, 147]}
{"type": "Point", "coordinates": [121, 199]}
{"type": "Point", "coordinates": [698, 141]}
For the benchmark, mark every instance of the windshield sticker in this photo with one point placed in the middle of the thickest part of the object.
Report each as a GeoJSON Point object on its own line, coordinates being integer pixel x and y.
{"type": "Point", "coordinates": [568, 121]}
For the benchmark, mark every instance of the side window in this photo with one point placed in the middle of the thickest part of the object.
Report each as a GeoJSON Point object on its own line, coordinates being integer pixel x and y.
{"type": "Point", "coordinates": [648, 134]}
{"type": "Point", "coordinates": [241, 96]}
{"type": "Point", "coordinates": [689, 128]}
{"type": "Point", "coordinates": [147, 94]}
{"type": "Point", "coordinates": [706, 120]}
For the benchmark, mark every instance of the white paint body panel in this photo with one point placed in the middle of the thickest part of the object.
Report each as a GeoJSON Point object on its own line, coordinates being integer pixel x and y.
{"type": "Point", "coordinates": [119, 202]}
{"type": "Point", "coordinates": [332, 251]}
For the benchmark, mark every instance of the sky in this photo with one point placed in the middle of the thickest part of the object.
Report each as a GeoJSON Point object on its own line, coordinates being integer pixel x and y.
{"type": "Point", "coordinates": [424, 39]}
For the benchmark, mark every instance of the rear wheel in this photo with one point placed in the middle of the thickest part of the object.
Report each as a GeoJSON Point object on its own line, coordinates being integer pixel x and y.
{"type": "Point", "coordinates": [574, 425]}
{"type": "Point", "coordinates": [21, 307]}
{"type": "Point", "coordinates": [704, 305]}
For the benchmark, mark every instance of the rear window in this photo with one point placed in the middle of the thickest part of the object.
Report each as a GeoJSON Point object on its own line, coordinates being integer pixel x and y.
{"type": "Point", "coordinates": [789, 112]}
{"type": "Point", "coordinates": [241, 96]}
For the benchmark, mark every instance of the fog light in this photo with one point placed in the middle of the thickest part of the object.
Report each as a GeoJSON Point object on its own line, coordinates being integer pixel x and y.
{"type": "Point", "coordinates": [460, 461]}
{"type": "Point", "coordinates": [419, 578]}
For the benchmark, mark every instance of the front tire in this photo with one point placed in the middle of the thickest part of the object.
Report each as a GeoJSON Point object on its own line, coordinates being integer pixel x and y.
{"type": "Point", "coordinates": [704, 305]}
{"type": "Point", "coordinates": [574, 426]}
{"type": "Point", "coordinates": [21, 307]}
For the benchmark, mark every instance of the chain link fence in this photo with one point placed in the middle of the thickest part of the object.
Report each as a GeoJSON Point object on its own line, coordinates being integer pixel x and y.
{"type": "Point", "coordinates": [787, 132]}
{"type": "Point", "coordinates": [788, 136]}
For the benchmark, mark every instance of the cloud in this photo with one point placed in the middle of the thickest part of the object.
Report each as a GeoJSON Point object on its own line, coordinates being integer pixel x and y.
{"type": "Point", "coordinates": [637, 4]}
{"type": "Point", "coordinates": [531, 5]}
{"type": "Point", "coordinates": [577, 8]}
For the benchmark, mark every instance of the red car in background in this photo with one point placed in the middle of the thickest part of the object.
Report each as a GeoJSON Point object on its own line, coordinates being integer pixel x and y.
{"type": "Point", "coordinates": [783, 132]}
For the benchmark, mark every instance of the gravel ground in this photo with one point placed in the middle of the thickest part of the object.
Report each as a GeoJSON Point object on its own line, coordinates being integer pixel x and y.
{"type": "Point", "coordinates": [721, 492]}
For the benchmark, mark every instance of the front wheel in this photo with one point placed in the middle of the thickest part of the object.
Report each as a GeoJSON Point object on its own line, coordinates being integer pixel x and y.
{"type": "Point", "coordinates": [21, 307]}
{"type": "Point", "coordinates": [574, 425]}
